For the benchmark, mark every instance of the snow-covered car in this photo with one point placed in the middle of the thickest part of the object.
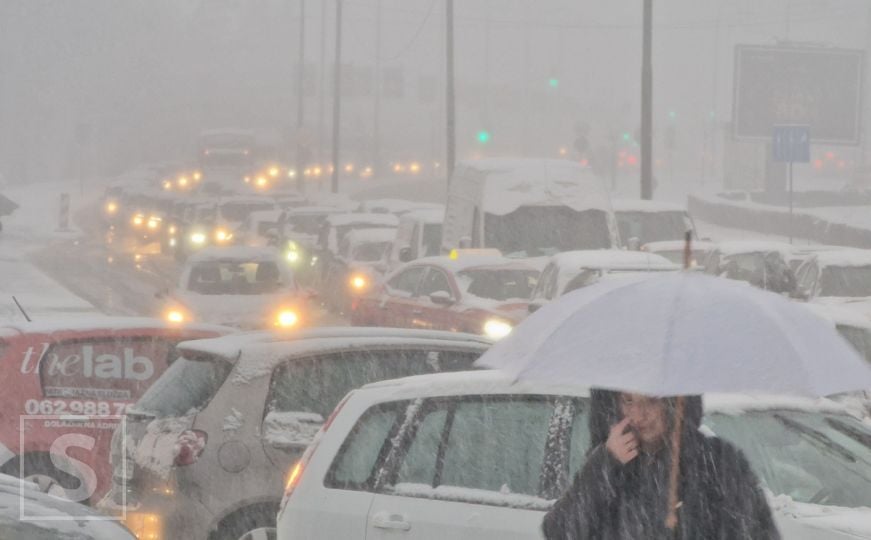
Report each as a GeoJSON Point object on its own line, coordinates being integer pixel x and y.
{"type": "Point", "coordinates": [26, 513]}
{"type": "Point", "coordinates": [762, 264]}
{"type": "Point", "coordinates": [572, 270]}
{"type": "Point", "coordinates": [243, 287]}
{"type": "Point", "coordinates": [361, 260]}
{"type": "Point", "coordinates": [336, 226]}
{"type": "Point", "coordinates": [480, 456]}
{"type": "Point", "coordinates": [397, 207]}
{"type": "Point", "coordinates": [419, 235]}
{"type": "Point", "coordinates": [673, 250]}
{"type": "Point", "coordinates": [837, 277]}
{"type": "Point", "coordinates": [260, 228]}
{"type": "Point", "coordinates": [642, 222]}
{"type": "Point", "coordinates": [478, 294]}
{"type": "Point", "coordinates": [208, 445]}
{"type": "Point", "coordinates": [87, 370]}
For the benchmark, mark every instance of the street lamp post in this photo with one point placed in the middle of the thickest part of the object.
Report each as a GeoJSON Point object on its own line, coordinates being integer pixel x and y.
{"type": "Point", "coordinates": [337, 98]}
{"type": "Point", "coordinates": [450, 121]}
{"type": "Point", "coordinates": [300, 100]}
{"type": "Point", "coordinates": [647, 104]}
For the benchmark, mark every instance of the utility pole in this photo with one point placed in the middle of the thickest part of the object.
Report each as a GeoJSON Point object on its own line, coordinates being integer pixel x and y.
{"type": "Point", "coordinates": [450, 122]}
{"type": "Point", "coordinates": [337, 98]}
{"type": "Point", "coordinates": [322, 98]}
{"type": "Point", "coordinates": [647, 104]}
{"type": "Point", "coordinates": [863, 172]}
{"type": "Point", "coordinates": [300, 100]}
{"type": "Point", "coordinates": [376, 122]}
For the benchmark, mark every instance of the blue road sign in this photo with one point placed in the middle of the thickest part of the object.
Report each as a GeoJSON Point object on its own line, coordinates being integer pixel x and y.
{"type": "Point", "coordinates": [791, 143]}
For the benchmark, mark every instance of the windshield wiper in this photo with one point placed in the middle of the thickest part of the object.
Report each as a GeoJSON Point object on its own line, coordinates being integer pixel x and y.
{"type": "Point", "coordinates": [850, 431]}
{"type": "Point", "coordinates": [816, 436]}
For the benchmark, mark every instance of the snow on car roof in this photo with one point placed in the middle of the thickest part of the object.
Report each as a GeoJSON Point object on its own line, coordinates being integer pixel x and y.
{"type": "Point", "coordinates": [839, 315]}
{"type": "Point", "coordinates": [247, 199]}
{"type": "Point", "coordinates": [362, 236]}
{"type": "Point", "coordinates": [361, 218]}
{"type": "Point", "coordinates": [500, 382]}
{"type": "Point", "coordinates": [470, 261]}
{"type": "Point", "coordinates": [99, 323]}
{"type": "Point", "coordinates": [265, 215]}
{"type": "Point", "coordinates": [314, 210]}
{"type": "Point", "coordinates": [612, 259]}
{"type": "Point", "coordinates": [751, 246]}
{"type": "Point", "coordinates": [234, 253]}
{"type": "Point", "coordinates": [843, 257]}
{"type": "Point", "coordinates": [395, 205]}
{"type": "Point", "coordinates": [511, 183]}
{"type": "Point", "coordinates": [674, 245]}
{"type": "Point", "coordinates": [427, 216]}
{"type": "Point", "coordinates": [639, 205]}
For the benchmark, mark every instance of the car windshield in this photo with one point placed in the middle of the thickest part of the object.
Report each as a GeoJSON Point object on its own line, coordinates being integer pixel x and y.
{"type": "Point", "coordinates": [534, 231]}
{"type": "Point", "coordinates": [798, 455]}
{"type": "Point", "coordinates": [343, 230]}
{"type": "Point", "coordinates": [237, 211]}
{"type": "Point", "coordinates": [766, 270]}
{"type": "Point", "coordinates": [185, 388]}
{"type": "Point", "coordinates": [849, 281]}
{"type": "Point", "coordinates": [234, 277]}
{"type": "Point", "coordinates": [432, 239]}
{"type": "Point", "coordinates": [498, 284]}
{"type": "Point", "coordinates": [305, 224]}
{"type": "Point", "coordinates": [652, 226]}
{"type": "Point", "coordinates": [371, 251]}
{"type": "Point", "coordinates": [859, 338]}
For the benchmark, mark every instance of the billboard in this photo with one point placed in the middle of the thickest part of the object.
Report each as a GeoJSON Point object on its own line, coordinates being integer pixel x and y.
{"type": "Point", "coordinates": [818, 87]}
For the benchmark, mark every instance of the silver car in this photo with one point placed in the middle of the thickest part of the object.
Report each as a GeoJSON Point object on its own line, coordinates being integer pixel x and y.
{"type": "Point", "coordinates": [207, 447]}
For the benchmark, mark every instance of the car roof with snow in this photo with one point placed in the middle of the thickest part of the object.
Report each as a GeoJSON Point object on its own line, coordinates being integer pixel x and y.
{"type": "Point", "coordinates": [364, 236]}
{"type": "Point", "coordinates": [313, 210]}
{"type": "Point", "coordinates": [675, 245]}
{"type": "Point", "coordinates": [612, 259]}
{"type": "Point", "coordinates": [839, 314]}
{"type": "Point", "coordinates": [99, 323]}
{"type": "Point", "coordinates": [269, 347]}
{"type": "Point", "coordinates": [751, 246]}
{"type": "Point", "coordinates": [265, 215]}
{"type": "Point", "coordinates": [362, 218]}
{"type": "Point", "coordinates": [490, 382]}
{"type": "Point", "coordinates": [427, 216]}
{"type": "Point", "coordinates": [235, 253]}
{"type": "Point", "coordinates": [843, 257]}
{"type": "Point", "coordinates": [640, 205]}
{"type": "Point", "coordinates": [469, 261]}
{"type": "Point", "coordinates": [394, 205]}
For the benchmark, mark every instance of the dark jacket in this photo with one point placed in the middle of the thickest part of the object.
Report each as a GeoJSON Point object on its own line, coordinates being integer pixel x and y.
{"type": "Point", "coordinates": [719, 495]}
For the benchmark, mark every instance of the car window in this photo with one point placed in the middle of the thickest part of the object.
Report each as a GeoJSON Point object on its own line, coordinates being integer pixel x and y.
{"type": "Point", "coordinates": [544, 281]}
{"type": "Point", "coordinates": [806, 277]}
{"type": "Point", "coordinates": [118, 368]}
{"type": "Point", "coordinates": [317, 384]}
{"type": "Point", "coordinates": [490, 444]}
{"type": "Point", "coordinates": [406, 281]}
{"type": "Point", "coordinates": [235, 277]}
{"type": "Point", "coordinates": [354, 464]}
{"type": "Point", "coordinates": [185, 388]}
{"type": "Point", "coordinates": [579, 441]}
{"type": "Point", "coordinates": [435, 281]}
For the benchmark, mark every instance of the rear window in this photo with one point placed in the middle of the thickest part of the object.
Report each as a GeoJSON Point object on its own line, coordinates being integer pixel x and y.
{"type": "Point", "coordinates": [316, 385]}
{"type": "Point", "coordinates": [235, 277]}
{"type": "Point", "coordinates": [121, 368]}
{"type": "Point", "coordinates": [185, 388]}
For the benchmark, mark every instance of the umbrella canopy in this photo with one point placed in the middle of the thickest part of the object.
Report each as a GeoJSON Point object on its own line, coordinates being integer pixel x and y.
{"type": "Point", "coordinates": [7, 205]}
{"type": "Point", "coordinates": [681, 333]}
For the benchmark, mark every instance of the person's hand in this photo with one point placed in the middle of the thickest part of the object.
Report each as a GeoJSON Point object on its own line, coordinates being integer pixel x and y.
{"type": "Point", "coordinates": [621, 444]}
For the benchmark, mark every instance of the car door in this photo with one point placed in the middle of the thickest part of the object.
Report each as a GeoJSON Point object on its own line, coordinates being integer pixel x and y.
{"type": "Point", "coordinates": [430, 314]}
{"type": "Point", "coordinates": [469, 467]}
{"type": "Point", "coordinates": [397, 303]}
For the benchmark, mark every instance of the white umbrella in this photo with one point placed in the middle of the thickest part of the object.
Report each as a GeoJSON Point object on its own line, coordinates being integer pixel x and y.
{"type": "Point", "coordinates": [681, 333]}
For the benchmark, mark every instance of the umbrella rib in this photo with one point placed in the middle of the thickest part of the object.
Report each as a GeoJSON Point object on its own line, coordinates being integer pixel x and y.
{"type": "Point", "coordinates": [669, 329]}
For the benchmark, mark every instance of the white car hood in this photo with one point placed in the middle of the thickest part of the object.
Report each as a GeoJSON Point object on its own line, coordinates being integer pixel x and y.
{"type": "Point", "coordinates": [819, 522]}
{"type": "Point", "coordinates": [239, 310]}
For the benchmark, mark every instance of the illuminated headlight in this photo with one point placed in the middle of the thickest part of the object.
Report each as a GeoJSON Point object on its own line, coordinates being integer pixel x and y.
{"type": "Point", "coordinates": [286, 318]}
{"type": "Point", "coordinates": [314, 260]}
{"type": "Point", "coordinates": [358, 282]}
{"type": "Point", "coordinates": [175, 316]}
{"type": "Point", "coordinates": [138, 220]}
{"type": "Point", "coordinates": [293, 257]}
{"type": "Point", "coordinates": [496, 329]}
{"type": "Point", "coordinates": [273, 172]}
{"type": "Point", "coordinates": [153, 223]}
{"type": "Point", "coordinates": [111, 207]}
{"type": "Point", "coordinates": [172, 242]}
{"type": "Point", "coordinates": [172, 229]}
{"type": "Point", "coordinates": [222, 235]}
{"type": "Point", "coordinates": [198, 238]}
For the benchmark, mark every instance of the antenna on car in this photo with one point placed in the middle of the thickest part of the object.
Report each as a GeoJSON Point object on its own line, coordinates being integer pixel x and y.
{"type": "Point", "coordinates": [21, 309]}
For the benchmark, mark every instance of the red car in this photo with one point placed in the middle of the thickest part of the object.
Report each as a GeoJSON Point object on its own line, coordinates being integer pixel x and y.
{"type": "Point", "coordinates": [479, 294]}
{"type": "Point", "coordinates": [70, 381]}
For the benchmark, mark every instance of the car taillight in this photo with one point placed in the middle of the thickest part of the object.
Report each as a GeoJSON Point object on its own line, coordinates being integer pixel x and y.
{"type": "Point", "coordinates": [295, 473]}
{"type": "Point", "coordinates": [189, 446]}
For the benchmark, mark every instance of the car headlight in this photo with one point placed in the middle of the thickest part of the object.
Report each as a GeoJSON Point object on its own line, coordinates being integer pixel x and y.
{"type": "Point", "coordinates": [293, 257]}
{"type": "Point", "coordinates": [198, 238]}
{"type": "Point", "coordinates": [111, 207]}
{"type": "Point", "coordinates": [286, 318]}
{"type": "Point", "coordinates": [172, 229]}
{"type": "Point", "coordinates": [138, 220]}
{"type": "Point", "coordinates": [222, 235]}
{"type": "Point", "coordinates": [174, 316]}
{"type": "Point", "coordinates": [359, 282]}
{"type": "Point", "coordinates": [153, 223]}
{"type": "Point", "coordinates": [172, 242]}
{"type": "Point", "coordinates": [497, 329]}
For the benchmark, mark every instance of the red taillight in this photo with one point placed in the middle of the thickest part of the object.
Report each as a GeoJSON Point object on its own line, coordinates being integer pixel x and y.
{"type": "Point", "coordinates": [189, 446]}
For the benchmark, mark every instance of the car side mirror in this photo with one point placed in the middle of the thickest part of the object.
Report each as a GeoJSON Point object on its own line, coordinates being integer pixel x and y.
{"type": "Point", "coordinates": [634, 243]}
{"type": "Point", "coordinates": [534, 306]}
{"type": "Point", "coordinates": [290, 431]}
{"type": "Point", "coordinates": [442, 298]}
{"type": "Point", "coordinates": [405, 255]}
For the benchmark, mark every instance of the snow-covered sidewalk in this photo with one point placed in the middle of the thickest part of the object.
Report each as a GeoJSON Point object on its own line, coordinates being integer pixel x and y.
{"type": "Point", "coordinates": [30, 228]}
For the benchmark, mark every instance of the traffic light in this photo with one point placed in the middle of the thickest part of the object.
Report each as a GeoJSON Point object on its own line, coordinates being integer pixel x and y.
{"type": "Point", "coordinates": [483, 136]}
{"type": "Point", "coordinates": [626, 136]}
{"type": "Point", "coordinates": [553, 82]}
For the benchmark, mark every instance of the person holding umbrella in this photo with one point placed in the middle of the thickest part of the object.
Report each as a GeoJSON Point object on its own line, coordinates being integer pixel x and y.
{"type": "Point", "coordinates": [623, 489]}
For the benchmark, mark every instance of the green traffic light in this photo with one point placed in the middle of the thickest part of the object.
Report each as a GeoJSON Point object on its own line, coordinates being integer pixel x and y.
{"type": "Point", "coordinates": [626, 137]}
{"type": "Point", "coordinates": [672, 115]}
{"type": "Point", "coordinates": [553, 82]}
{"type": "Point", "coordinates": [483, 136]}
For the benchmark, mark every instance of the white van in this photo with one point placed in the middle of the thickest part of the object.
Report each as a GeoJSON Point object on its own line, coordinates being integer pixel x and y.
{"type": "Point", "coordinates": [419, 235]}
{"type": "Point", "coordinates": [528, 208]}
